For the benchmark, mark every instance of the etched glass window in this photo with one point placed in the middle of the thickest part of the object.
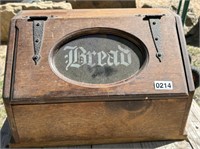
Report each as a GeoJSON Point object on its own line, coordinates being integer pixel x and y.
{"type": "Point", "coordinates": [98, 59]}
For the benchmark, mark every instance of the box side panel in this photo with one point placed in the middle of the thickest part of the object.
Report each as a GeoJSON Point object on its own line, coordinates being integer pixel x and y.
{"type": "Point", "coordinates": [185, 55]}
{"type": "Point", "coordinates": [187, 66]}
{"type": "Point", "coordinates": [100, 122]}
{"type": "Point", "coordinates": [9, 60]}
{"type": "Point", "coordinates": [8, 78]}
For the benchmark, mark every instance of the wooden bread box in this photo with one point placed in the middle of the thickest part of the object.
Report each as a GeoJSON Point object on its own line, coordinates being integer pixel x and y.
{"type": "Point", "coordinates": [96, 76]}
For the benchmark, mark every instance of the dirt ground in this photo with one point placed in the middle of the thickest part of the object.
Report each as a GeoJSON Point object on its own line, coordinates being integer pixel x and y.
{"type": "Point", "coordinates": [194, 51]}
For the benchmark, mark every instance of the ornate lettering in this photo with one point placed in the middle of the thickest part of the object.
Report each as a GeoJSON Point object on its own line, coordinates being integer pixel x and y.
{"type": "Point", "coordinates": [78, 56]}
{"type": "Point", "coordinates": [101, 56]}
{"type": "Point", "coordinates": [90, 58]}
{"type": "Point", "coordinates": [123, 55]}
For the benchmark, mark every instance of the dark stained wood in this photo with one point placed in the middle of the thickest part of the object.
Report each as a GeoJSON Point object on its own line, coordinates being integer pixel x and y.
{"type": "Point", "coordinates": [8, 77]}
{"type": "Point", "coordinates": [9, 61]}
{"type": "Point", "coordinates": [45, 110]}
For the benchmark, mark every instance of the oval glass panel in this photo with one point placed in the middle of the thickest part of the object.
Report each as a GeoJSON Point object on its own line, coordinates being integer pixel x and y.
{"type": "Point", "coordinates": [98, 59]}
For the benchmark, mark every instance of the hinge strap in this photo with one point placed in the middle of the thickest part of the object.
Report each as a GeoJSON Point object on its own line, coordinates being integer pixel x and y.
{"type": "Point", "coordinates": [154, 23]}
{"type": "Point", "coordinates": [37, 39]}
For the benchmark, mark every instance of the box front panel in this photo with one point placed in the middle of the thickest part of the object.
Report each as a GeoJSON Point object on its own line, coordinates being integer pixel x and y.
{"type": "Point", "coordinates": [87, 122]}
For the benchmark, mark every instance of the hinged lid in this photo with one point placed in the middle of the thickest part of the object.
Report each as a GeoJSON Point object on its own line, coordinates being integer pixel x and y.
{"type": "Point", "coordinates": [95, 55]}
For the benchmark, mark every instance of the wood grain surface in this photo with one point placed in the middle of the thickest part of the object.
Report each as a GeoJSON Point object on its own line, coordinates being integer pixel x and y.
{"type": "Point", "coordinates": [44, 85]}
{"type": "Point", "coordinates": [100, 122]}
{"type": "Point", "coordinates": [192, 141]}
{"type": "Point", "coordinates": [45, 110]}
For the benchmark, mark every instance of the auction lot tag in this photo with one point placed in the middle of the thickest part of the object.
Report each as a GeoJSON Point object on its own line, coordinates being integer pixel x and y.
{"type": "Point", "coordinates": [163, 85]}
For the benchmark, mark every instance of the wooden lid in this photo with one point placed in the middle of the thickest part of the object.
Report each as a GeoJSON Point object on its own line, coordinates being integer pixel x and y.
{"type": "Point", "coordinates": [49, 80]}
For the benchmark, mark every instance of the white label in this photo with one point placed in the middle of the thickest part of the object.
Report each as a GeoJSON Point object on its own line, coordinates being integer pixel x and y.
{"type": "Point", "coordinates": [163, 85]}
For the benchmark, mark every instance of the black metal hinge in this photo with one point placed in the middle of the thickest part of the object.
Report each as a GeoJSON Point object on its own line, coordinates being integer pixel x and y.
{"type": "Point", "coordinates": [38, 29]}
{"type": "Point", "coordinates": [154, 23]}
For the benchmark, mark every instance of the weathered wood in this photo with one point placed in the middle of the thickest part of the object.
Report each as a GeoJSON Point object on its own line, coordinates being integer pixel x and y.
{"type": "Point", "coordinates": [192, 129]}
{"type": "Point", "coordinates": [112, 121]}
{"type": "Point", "coordinates": [193, 126]}
{"type": "Point", "coordinates": [166, 144]}
{"type": "Point", "coordinates": [46, 110]}
{"type": "Point", "coordinates": [110, 146]}
{"type": "Point", "coordinates": [9, 61]}
{"type": "Point", "coordinates": [24, 92]}
{"type": "Point", "coordinates": [185, 54]}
